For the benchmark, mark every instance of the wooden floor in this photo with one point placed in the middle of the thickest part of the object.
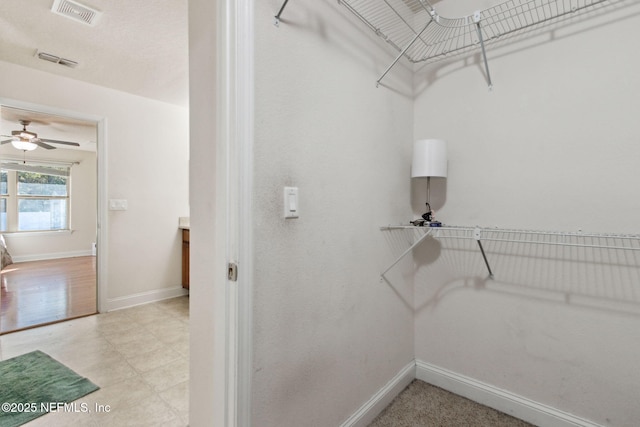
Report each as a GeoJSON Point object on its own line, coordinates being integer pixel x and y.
{"type": "Point", "coordinates": [40, 292]}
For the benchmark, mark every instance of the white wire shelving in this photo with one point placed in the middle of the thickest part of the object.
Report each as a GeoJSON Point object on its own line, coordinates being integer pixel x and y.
{"type": "Point", "coordinates": [416, 30]}
{"type": "Point", "coordinates": [420, 34]}
{"type": "Point", "coordinates": [609, 241]}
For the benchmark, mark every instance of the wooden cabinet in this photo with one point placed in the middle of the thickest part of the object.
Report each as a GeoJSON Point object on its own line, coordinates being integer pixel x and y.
{"type": "Point", "coordinates": [185, 258]}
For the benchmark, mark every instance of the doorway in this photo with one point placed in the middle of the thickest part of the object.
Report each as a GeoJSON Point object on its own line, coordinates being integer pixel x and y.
{"type": "Point", "coordinates": [49, 216]}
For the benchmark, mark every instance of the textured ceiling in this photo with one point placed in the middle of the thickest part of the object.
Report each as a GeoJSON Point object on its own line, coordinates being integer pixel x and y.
{"type": "Point", "coordinates": [136, 46]}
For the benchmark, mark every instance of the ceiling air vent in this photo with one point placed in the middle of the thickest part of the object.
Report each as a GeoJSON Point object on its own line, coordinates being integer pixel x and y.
{"type": "Point", "coordinates": [76, 11]}
{"type": "Point", "coordinates": [56, 59]}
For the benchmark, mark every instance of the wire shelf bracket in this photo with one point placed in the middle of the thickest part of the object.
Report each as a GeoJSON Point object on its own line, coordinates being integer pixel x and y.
{"type": "Point", "coordinates": [416, 243]}
{"type": "Point", "coordinates": [405, 25]}
{"type": "Point", "coordinates": [402, 53]}
{"type": "Point", "coordinates": [477, 234]}
{"type": "Point", "coordinates": [276, 18]}
{"type": "Point", "coordinates": [476, 18]}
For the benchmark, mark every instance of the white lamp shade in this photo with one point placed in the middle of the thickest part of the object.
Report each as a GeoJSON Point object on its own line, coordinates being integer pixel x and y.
{"type": "Point", "coordinates": [429, 158]}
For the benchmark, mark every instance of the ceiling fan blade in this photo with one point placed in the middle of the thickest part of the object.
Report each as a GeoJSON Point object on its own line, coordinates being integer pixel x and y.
{"type": "Point", "coordinates": [6, 141]}
{"type": "Point", "coordinates": [39, 143]}
{"type": "Point", "coordinates": [55, 141]}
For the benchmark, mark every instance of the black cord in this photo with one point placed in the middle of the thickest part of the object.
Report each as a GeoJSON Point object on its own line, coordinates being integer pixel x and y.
{"type": "Point", "coordinates": [426, 218]}
{"type": "Point", "coordinates": [427, 215]}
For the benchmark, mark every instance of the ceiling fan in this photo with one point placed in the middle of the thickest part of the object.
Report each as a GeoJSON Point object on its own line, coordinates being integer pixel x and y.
{"type": "Point", "coordinates": [27, 141]}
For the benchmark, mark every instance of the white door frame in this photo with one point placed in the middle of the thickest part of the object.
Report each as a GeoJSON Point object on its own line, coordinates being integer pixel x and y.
{"type": "Point", "coordinates": [221, 104]}
{"type": "Point", "coordinates": [244, 121]}
{"type": "Point", "coordinates": [101, 155]}
{"type": "Point", "coordinates": [237, 111]}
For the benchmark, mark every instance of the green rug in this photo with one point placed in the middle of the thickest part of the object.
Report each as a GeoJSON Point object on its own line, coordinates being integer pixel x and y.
{"type": "Point", "coordinates": [33, 384]}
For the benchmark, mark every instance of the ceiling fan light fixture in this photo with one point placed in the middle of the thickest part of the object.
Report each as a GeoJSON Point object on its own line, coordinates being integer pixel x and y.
{"type": "Point", "coordinates": [24, 134]}
{"type": "Point", "coordinates": [21, 144]}
{"type": "Point", "coordinates": [27, 141]}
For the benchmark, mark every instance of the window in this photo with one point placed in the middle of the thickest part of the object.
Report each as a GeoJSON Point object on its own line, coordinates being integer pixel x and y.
{"type": "Point", "coordinates": [34, 197]}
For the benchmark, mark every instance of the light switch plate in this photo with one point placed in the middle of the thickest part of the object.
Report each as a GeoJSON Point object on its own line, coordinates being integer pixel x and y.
{"type": "Point", "coordinates": [118, 204]}
{"type": "Point", "coordinates": [291, 208]}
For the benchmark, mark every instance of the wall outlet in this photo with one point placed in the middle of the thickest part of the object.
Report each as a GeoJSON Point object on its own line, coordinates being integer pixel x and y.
{"type": "Point", "coordinates": [118, 204]}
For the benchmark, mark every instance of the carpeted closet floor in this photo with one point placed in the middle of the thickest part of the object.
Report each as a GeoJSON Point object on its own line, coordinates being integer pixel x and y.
{"type": "Point", "coordinates": [424, 405]}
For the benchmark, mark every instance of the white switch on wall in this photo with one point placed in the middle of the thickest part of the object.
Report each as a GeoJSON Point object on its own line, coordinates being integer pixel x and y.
{"type": "Point", "coordinates": [291, 202]}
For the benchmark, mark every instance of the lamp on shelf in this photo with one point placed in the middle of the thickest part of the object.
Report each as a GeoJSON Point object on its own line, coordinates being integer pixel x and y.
{"type": "Point", "coordinates": [429, 161]}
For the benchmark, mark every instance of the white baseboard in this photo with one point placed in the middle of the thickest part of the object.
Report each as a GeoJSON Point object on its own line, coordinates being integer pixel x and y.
{"type": "Point", "coordinates": [367, 412]}
{"type": "Point", "coordinates": [57, 255]}
{"type": "Point", "coordinates": [144, 298]}
{"type": "Point", "coordinates": [502, 400]}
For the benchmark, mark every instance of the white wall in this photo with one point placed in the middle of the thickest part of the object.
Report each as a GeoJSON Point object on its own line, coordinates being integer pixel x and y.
{"type": "Point", "coordinates": [147, 147]}
{"type": "Point", "coordinates": [328, 334]}
{"type": "Point", "coordinates": [83, 215]}
{"type": "Point", "coordinates": [554, 146]}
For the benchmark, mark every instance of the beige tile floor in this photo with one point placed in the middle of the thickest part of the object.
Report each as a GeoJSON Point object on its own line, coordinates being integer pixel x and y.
{"type": "Point", "coordinates": [138, 356]}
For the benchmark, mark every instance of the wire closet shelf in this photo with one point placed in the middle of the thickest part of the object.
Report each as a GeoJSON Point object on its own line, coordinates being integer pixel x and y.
{"type": "Point", "coordinates": [609, 241]}
{"type": "Point", "coordinates": [554, 238]}
{"type": "Point", "coordinates": [419, 33]}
